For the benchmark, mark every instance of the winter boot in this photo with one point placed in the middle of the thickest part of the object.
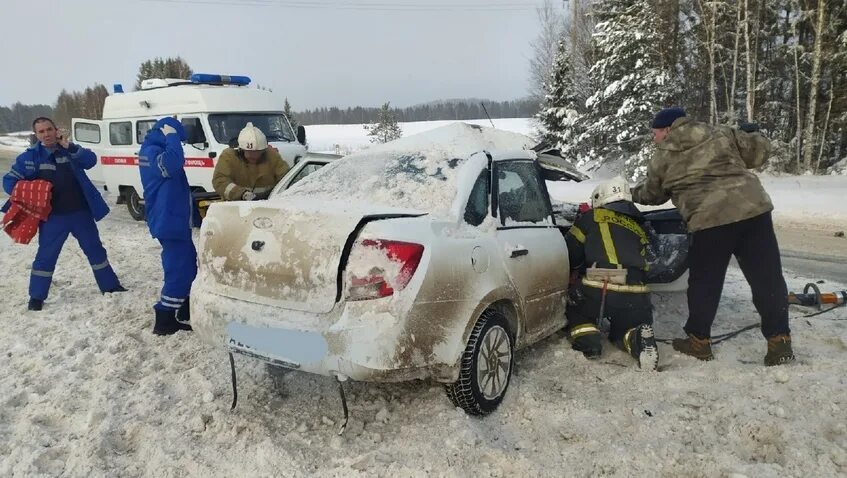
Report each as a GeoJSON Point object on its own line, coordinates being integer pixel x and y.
{"type": "Point", "coordinates": [119, 288]}
{"type": "Point", "coordinates": [779, 350]}
{"type": "Point", "coordinates": [641, 344]}
{"type": "Point", "coordinates": [166, 323]}
{"type": "Point", "coordinates": [184, 312]}
{"type": "Point", "coordinates": [35, 304]}
{"type": "Point", "coordinates": [585, 338]}
{"type": "Point", "coordinates": [695, 347]}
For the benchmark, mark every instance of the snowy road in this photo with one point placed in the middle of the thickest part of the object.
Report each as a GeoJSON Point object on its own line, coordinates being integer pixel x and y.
{"type": "Point", "coordinates": [819, 266]}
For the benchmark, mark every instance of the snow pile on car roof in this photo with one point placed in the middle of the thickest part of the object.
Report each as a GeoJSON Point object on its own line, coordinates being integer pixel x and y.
{"type": "Point", "coordinates": [417, 172]}
{"type": "Point", "coordinates": [455, 140]}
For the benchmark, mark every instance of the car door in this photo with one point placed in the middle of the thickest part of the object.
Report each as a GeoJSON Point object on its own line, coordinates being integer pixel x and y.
{"type": "Point", "coordinates": [533, 249]}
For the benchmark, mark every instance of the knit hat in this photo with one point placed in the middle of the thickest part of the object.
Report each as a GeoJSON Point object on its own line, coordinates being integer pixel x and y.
{"type": "Point", "coordinates": [666, 117]}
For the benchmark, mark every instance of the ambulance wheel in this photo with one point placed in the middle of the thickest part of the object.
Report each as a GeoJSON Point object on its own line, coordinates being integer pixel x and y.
{"type": "Point", "coordinates": [134, 204]}
{"type": "Point", "coordinates": [486, 366]}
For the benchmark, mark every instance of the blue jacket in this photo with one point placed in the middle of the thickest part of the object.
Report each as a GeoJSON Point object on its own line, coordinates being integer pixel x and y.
{"type": "Point", "coordinates": [167, 196]}
{"type": "Point", "coordinates": [37, 157]}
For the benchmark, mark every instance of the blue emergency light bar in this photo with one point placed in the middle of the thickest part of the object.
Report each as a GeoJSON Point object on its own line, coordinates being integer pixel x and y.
{"type": "Point", "coordinates": [209, 79]}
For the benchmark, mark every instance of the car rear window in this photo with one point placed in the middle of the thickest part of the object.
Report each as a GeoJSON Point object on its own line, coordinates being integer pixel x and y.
{"type": "Point", "coordinates": [421, 181]}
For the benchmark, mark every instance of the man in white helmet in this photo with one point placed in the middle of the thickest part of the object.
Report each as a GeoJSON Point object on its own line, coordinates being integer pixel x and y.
{"type": "Point", "coordinates": [607, 248]}
{"type": "Point", "coordinates": [250, 171]}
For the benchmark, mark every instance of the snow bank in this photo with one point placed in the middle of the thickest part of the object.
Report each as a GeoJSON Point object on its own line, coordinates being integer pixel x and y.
{"type": "Point", "coordinates": [808, 199]}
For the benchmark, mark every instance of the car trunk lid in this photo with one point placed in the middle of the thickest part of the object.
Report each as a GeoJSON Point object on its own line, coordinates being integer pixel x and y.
{"type": "Point", "coordinates": [286, 254]}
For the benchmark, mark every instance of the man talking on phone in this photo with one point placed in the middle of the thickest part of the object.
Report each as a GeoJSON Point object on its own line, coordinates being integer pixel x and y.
{"type": "Point", "coordinates": [76, 205]}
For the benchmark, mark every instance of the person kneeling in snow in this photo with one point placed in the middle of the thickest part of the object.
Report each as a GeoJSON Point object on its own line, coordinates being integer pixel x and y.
{"type": "Point", "coordinates": [168, 205]}
{"type": "Point", "coordinates": [251, 171]}
{"type": "Point", "coordinates": [75, 206]}
{"type": "Point", "coordinates": [607, 246]}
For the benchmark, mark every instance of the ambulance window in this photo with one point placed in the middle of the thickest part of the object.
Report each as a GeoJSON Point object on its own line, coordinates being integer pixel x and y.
{"type": "Point", "coordinates": [87, 133]}
{"type": "Point", "coordinates": [141, 129]}
{"type": "Point", "coordinates": [120, 134]}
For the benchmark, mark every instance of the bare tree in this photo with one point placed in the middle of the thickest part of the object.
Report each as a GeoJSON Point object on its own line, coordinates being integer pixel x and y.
{"type": "Point", "coordinates": [825, 126]}
{"type": "Point", "coordinates": [551, 27]}
{"type": "Point", "coordinates": [809, 134]}
{"type": "Point", "coordinates": [798, 109]}
{"type": "Point", "coordinates": [751, 67]}
{"type": "Point", "coordinates": [730, 101]}
{"type": "Point", "coordinates": [710, 30]}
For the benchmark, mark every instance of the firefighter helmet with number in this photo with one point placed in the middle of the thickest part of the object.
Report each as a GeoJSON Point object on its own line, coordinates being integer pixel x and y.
{"type": "Point", "coordinates": [616, 189]}
{"type": "Point", "coordinates": [251, 138]}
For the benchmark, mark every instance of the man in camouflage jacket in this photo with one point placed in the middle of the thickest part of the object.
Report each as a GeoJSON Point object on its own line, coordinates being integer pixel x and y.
{"type": "Point", "coordinates": [704, 170]}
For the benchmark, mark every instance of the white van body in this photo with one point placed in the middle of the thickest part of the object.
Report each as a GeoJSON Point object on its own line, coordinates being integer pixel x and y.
{"type": "Point", "coordinates": [219, 110]}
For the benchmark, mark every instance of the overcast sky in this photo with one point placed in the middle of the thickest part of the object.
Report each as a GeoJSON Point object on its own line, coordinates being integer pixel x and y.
{"type": "Point", "coordinates": [315, 52]}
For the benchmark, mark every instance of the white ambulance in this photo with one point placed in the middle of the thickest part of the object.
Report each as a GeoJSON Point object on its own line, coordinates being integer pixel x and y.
{"type": "Point", "coordinates": [213, 109]}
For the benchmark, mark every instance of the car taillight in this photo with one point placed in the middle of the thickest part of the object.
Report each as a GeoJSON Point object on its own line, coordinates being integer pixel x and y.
{"type": "Point", "coordinates": [373, 285]}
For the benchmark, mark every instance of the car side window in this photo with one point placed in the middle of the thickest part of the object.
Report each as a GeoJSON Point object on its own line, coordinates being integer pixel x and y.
{"type": "Point", "coordinates": [477, 208]}
{"type": "Point", "coordinates": [520, 198]}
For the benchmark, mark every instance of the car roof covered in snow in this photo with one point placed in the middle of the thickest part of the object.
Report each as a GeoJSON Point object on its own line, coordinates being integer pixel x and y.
{"type": "Point", "coordinates": [455, 140]}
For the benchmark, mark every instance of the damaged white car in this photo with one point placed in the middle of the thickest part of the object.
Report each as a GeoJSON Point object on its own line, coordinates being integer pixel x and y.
{"type": "Point", "coordinates": [432, 257]}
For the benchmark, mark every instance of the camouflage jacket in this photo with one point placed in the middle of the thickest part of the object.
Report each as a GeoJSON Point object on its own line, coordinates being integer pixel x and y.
{"type": "Point", "coordinates": [233, 174]}
{"type": "Point", "coordinates": [703, 169]}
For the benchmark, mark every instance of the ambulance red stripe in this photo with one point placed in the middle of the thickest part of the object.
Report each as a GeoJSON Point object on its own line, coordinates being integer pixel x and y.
{"type": "Point", "coordinates": [133, 161]}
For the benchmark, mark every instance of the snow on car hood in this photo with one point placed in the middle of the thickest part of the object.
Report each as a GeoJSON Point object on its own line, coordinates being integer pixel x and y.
{"type": "Point", "coordinates": [417, 172]}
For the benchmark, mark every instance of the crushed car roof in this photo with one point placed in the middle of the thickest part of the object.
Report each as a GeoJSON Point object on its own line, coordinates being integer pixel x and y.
{"type": "Point", "coordinates": [460, 140]}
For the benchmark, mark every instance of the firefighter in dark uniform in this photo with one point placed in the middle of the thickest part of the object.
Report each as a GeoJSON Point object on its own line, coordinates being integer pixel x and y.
{"type": "Point", "coordinates": [607, 247]}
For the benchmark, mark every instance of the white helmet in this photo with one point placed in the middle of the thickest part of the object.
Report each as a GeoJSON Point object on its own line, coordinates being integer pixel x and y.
{"type": "Point", "coordinates": [251, 138]}
{"type": "Point", "coordinates": [616, 189]}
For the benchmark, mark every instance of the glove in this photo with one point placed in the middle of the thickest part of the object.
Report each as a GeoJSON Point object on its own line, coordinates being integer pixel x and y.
{"type": "Point", "coordinates": [248, 196]}
{"type": "Point", "coordinates": [169, 125]}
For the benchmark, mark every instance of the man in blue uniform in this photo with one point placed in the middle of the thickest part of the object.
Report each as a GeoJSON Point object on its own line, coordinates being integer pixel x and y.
{"type": "Point", "coordinates": [168, 206]}
{"type": "Point", "coordinates": [75, 207]}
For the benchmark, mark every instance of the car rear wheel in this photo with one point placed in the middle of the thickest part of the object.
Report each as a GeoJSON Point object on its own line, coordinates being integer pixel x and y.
{"type": "Point", "coordinates": [486, 366]}
{"type": "Point", "coordinates": [134, 204]}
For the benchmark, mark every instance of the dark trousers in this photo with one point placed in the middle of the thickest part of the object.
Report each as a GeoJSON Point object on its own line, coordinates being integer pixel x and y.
{"type": "Point", "coordinates": [753, 243]}
{"type": "Point", "coordinates": [624, 310]}
{"type": "Point", "coordinates": [51, 237]}
{"type": "Point", "coordinates": [179, 261]}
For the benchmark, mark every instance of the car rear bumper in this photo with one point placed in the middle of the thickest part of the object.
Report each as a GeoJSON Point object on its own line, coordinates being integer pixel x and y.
{"type": "Point", "coordinates": [360, 347]}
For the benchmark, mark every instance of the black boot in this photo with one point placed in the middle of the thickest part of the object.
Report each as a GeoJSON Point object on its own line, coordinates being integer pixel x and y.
{"type": "Point", "coordinates": [119, 288]}
{"type": "Point", "coordinates": [184, 312]}
{"type": "Point", "coordinates": [166, 323]}
{"type": "Point", "coordinates": [585, 338]}
{"type": "Point", "coordinates": [641, 344]}
{"type": "Point", "coordinates": [35, 304]}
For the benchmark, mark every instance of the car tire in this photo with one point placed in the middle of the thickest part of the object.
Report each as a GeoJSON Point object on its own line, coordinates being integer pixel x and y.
{"type": "Point", "coordinates": [486, 366]}
{"type": "Point", "coordinates": [134, 204]}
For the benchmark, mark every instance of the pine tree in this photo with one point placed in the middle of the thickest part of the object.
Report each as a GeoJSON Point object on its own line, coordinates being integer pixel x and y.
{"type": "Point", "coordinates": [286, 109]}
{"type": "Point", "coordinates": [559, 115]}
{"type": "Point", "coordinates": [162, 68]}
{"type": "Point", "coordinates": [385, 128]}
{"type": "Point", "coordinates": [630, 83]}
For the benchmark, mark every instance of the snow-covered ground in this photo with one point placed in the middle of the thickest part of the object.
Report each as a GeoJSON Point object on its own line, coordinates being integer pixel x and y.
{"type": "Point", "coordinates": [87, 390]}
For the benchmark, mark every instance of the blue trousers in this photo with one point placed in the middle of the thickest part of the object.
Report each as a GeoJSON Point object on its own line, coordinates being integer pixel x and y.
{"type": "Point", "coordinates": [179, 261]}
{"type": "Point", "coordinates": [51, 237]}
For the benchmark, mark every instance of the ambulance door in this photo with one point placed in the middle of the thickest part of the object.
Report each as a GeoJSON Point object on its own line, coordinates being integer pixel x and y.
{"type": "Point", "coordinates": [199, 157]}
{"type": "Point", "coordinates": [89, 134]}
